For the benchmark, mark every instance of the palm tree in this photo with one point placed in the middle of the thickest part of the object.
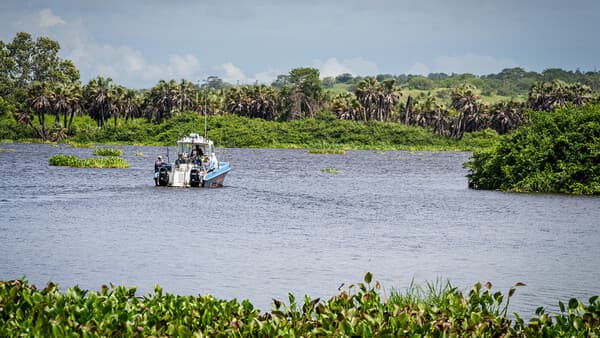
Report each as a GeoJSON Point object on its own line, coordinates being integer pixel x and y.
{"type": "Point", "coordinates": [253, 101]}
{"type": "Point", "coordinates": [506, 117]}
{"type": "Point", "coordinates": [74, 100]}
{"type": "Point", "coordinates": [580, 94]}
{"type": "Point", "coordinates": [389, 98]}
{"type": "Point", "coordinates": [184, 95]}
{"type": "Point", "coordinates": [162, 100]}
{"type": "Point", "coordinates": [346, 106]}
{"type": "Point", "coordinates": [99, 96]}
{"type": "Point", "coordinates": [464, 100]}
{"type": "Point", "coordinates": [130, 103]}
{"type": "Point", "coordinates": [235, 101]}
{"type": "Point", "coordinates": [59, 101]}
{"type": "Point", "coordinates": [548, 95]}
{"type": "Point", "coordinates": [39, 96]}
{"type": "Point", "coordinates": [367, 93]}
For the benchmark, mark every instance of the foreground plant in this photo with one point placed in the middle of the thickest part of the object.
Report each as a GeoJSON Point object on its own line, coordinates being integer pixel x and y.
{"type": "Point", "coordinates": [98, 162]}
{"type": "Point", "coordinates": [357, 311]}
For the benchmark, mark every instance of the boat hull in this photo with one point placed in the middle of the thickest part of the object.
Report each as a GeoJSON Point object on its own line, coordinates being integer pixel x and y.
{"type": "Point", "coordinates": [192, 176]}
{"type": "Point", "coordinates": [215, 177]}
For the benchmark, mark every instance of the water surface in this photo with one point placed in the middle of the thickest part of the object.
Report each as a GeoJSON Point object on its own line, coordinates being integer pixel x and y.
{"type": "Point", "coordinates": [282, 225]}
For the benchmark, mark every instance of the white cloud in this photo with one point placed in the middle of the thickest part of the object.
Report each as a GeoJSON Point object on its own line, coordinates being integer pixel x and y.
{"type": "Point", "coordinates": [332, 67]}
{"type": "Point", "coordinates": [124, 64]}
{"type": "Point", "coordinates": [183, 65]}
{"type": "Point", "coordinates": [233, 74]}
{"type": "Point", "coordinates": [355, 66]}
{"type": "Point", "coordinates": [48, 19]}
{"type": "Point", "coordinates": [265, 77]}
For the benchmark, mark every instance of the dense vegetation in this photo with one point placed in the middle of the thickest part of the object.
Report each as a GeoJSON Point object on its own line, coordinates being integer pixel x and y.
{"type": "Point", "coordinates": [41, 96]}
{"type": "Point", "coordinates": [556, 152]}
{"type": "Point", "coordinates": [97, 162]}
{"type": "Point", "coordinates": [360, 311]}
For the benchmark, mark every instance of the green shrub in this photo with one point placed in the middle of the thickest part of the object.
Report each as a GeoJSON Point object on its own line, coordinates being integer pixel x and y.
{"type": "Point", "coordinates": [556, 152]}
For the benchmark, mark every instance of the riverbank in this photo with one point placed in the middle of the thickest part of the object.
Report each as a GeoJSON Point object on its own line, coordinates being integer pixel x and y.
{"type": "Point", "coordinates": [233, 131]}
{"type": "Point", "coordinates": [360, 310]}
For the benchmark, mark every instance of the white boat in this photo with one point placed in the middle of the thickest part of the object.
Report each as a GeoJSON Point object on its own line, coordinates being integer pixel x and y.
{"type": "Point", "coordinates": [196, 165]}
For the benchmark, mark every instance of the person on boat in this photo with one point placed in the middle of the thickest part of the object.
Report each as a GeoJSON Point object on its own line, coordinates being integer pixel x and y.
{"type": "Point", "coordinates": [157, 165]}
{"type": "Point", "coordinates": [197, 154]}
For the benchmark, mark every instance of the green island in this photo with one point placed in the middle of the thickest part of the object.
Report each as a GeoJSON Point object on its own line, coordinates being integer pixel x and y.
{"type": "Point", "coordinates": [96, 162]}
{"type": "Point", "coordinates": [435, 310]}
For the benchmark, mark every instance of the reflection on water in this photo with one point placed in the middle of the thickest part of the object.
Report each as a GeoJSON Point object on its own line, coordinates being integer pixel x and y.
{"type": "Point", "coordinates": [282, 225]}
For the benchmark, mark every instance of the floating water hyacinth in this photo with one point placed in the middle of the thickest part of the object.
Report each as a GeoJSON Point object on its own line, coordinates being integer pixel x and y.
{"type": "Point", "coordinates": [108, 152]}
{"type": "Point", "coordinates": [437, 310]}
{"type": "Point", "coordinates": [327, 151]}
{"type": "Point", "coordinates": [98, 162]}
{"type": "Point", "coordinates": [330, 170]}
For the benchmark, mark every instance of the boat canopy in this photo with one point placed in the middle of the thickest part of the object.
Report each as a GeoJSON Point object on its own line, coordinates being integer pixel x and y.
{"type": "Point", "coordinates": [188, 142]}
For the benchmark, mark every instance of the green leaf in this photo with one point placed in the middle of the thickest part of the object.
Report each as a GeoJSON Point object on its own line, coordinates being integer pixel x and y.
{"type": "Point", "coordinates": [368, 277]}
{"type": "Point", "coordinates": [573, 303]}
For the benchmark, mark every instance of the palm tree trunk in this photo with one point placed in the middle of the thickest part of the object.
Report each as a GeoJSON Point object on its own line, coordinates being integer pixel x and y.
{"type": "Point", "coordinates": [408, 108]}
{"type": "Point", "coordinates": [71, 119]}
{"type": "Point", "coordinates": [42, 118]}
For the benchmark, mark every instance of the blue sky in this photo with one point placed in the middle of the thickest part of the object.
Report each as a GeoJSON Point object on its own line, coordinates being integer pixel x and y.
{"type": "Point", "coordinates": [138, 43]}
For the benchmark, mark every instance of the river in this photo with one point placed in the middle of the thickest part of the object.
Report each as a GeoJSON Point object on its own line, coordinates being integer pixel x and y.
{"type": "Point", "coordinates": [280, 224]}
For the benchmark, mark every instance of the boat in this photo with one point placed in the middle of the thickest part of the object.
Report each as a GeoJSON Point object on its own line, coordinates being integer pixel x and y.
{"type": "Point", "coordinates": [196, 165]}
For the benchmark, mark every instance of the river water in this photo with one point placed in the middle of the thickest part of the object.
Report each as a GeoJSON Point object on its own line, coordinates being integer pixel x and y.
{"type": "Point", "coordinates": [282, 225]}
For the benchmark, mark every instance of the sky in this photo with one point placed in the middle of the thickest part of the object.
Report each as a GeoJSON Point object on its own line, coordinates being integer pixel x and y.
{"type": "Point", "coordinates": [137, 43]}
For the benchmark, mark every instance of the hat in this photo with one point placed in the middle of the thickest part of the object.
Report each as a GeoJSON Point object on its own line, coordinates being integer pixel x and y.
{"type": "Point", "coordinates": [160, 157]}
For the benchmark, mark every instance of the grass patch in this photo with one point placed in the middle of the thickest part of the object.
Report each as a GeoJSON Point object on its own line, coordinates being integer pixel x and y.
{"type": "Point", "coordinates": [97, 162]}
{"type": "Point", "coordinates": [330, 170]}
{"type": "Point", "coordinates": [5, 150]}
{"type": "Point", "coordinates": [327, 151]}
{"type": "Point", "coordinates": [108, 152]}
{"type": "Point", "coordinates": [138, 153]}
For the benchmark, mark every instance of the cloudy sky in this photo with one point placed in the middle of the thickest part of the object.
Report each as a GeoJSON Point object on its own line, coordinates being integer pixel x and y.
{"type": "Point", "coordinates": [139, 42]}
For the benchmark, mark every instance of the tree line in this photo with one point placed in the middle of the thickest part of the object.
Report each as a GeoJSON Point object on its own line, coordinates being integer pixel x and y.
{"type": "Point", "coordinates": [45, 93]}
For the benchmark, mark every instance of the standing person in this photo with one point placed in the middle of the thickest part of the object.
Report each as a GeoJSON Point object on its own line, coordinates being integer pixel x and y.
{"type": "Point", "coordinates": [157, 165]}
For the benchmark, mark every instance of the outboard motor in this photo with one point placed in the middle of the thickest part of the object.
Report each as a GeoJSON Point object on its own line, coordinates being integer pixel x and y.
{"type": "Point", "coordinates": [195, 178]}
{"type": "Point", "coordinates": [163, 177]}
